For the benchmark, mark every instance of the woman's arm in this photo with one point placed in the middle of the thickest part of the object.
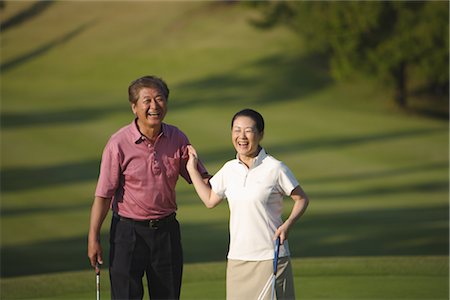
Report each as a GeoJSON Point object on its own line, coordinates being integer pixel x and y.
{"type": "Point", "coordinates": [203, 189]}
{"type": "Point", "coordinates": [301, 202]}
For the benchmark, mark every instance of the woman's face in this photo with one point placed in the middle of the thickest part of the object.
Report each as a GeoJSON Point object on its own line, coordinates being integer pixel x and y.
{"type": "Point", "coordinates": [245, 136]}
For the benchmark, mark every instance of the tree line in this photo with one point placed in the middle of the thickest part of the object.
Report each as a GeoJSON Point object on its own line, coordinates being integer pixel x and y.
{"type": "Point", "coordinates": [400, 43]}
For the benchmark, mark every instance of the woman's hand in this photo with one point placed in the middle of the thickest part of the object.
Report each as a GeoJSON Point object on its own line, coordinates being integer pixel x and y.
{"type": "Point", "coordinates": [193, 159]}
{"type": "Point", "coordinates": [282, 232]}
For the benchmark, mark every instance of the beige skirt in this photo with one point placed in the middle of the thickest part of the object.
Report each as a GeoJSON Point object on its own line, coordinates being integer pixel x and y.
{"type": "Point", "coordinates": [252, 280]}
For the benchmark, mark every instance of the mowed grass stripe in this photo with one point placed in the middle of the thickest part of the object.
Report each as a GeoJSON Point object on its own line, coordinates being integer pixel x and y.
{"type": "Point", "coordinates": [402, 277]}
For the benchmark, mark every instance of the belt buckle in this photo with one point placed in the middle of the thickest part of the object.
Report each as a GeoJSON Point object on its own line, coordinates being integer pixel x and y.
{"type": "Point", "coordinates": [153, 224]}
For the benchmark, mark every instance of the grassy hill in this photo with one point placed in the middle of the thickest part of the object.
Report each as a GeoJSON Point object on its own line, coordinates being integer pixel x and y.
{"type": "Point", "coordinates": [377, 226]}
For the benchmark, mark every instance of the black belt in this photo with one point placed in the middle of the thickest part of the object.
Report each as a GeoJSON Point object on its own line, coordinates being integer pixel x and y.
{"type": "Point", "coordinates": [154, 223]}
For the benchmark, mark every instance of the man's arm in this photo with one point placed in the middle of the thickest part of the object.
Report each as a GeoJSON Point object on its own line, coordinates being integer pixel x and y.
{"type": "Point", "coordinates": [99, 211]}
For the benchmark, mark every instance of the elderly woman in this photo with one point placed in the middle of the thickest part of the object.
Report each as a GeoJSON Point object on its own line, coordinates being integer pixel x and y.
{"type": "Point", "coordinates": [254, 184]}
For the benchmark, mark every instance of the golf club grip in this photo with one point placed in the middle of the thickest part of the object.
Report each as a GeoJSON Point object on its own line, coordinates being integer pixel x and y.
{"type": "Point", "coordinates": [275, 256]}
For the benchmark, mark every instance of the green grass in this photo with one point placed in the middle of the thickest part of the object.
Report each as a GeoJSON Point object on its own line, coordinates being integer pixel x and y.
{"type": "Point", "coordinates": [415, 277]}
{"type": "Point", "coordinates": [377, 226]}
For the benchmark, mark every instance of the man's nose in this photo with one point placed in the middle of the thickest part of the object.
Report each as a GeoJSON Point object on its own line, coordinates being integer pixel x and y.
{"type": "Point", "coordinates": [153, 103]}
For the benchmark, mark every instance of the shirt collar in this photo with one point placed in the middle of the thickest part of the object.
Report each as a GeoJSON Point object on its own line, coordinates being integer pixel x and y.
{"type": "Point", "coordinates": [257, 160]}
{"type": "Point", "coordinates": [137, 136]}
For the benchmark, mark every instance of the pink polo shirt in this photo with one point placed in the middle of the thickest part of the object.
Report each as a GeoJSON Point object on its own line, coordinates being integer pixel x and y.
{"type": "Point", "coordinates": [140, 176]}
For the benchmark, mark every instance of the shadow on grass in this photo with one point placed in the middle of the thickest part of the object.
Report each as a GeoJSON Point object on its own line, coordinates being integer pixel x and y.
{"type": "Point", "coordinates": [70, 254]}
{"type": "Point", "coordinates": [47, 209]}
{"type": "Point", "coordinates": [30, 12]}
{"type": "Point", "coordinates": [435, 186]}
{"type": "Point", "coordinates": [6, 66]}
{"type": "Point", "coordinates": [273, 79]}
{"type": "Point", "coordinates": [380, 174]}
{"type": "Point", "coordinates": [348, 141]}
{"type": "Point", "coordinates": [398, 231]}
{"type": "Point", "coordinates": [24, 178]}
{"type": "Point", "coordinates": [19, 179]}
{"type": "Point", "coordinates": [71, 116]}
{"type": "Point", "coordinates": [302, 146]}
{"type": "Point", "coordinates": [411, 231]}
{"type": "Point", "coordinates": [283, 84]}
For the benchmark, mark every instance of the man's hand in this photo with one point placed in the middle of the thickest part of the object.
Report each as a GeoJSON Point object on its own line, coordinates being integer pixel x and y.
{"type": "Point", "coordinates": [95, 254]}
{"type": "Point", "coordinates": [99, 210]}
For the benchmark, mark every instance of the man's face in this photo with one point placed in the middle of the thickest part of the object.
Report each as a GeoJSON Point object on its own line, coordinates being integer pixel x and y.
{"type": "Point", "coordinates": [150, 108]}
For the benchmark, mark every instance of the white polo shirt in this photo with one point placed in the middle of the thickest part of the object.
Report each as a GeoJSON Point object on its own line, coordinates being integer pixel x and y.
{"type": "Point", "coordinates": [255, 199]}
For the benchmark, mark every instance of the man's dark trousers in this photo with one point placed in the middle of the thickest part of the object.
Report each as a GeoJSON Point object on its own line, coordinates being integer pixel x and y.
{"type": "Point", "coordinates": [144, 247]}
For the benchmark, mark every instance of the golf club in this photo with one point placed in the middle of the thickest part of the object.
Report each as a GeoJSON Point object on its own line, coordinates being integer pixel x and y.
{"type": "Point", "coordinates": [273, 277]}
{"type": "Point", "coordinates": [97, 279]}
{"type": "Point", "coordinates": [275, 266]}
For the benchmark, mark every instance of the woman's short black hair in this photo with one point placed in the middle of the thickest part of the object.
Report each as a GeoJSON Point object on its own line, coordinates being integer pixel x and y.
{"type": "Point", "coordinates": [254, 115]}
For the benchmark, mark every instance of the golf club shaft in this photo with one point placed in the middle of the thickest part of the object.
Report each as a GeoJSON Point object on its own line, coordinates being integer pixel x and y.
{"type": "Point", "coordinates": [275, 266]}
{"type": "Point", "coordinates": [97, 281]}
{"type": "Point", "coordinates": [275, 256]}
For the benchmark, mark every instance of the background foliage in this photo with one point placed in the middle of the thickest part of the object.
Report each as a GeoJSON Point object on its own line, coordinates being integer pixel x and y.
{"type": "Point", "coordinates": [402, 43]}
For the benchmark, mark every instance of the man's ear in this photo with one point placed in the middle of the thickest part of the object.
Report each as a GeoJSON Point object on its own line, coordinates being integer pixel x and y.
{"type": "Point", "coordinates": [133, 108]}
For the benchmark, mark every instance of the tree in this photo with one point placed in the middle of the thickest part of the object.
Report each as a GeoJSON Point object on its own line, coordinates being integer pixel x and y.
{"type": "Point", "coordinates": [393, 40]}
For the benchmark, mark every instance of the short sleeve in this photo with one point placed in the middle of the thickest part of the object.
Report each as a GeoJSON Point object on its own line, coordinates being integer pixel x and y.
{"type": "Point", "coordinates": [109, 177]}
{"type": "Point", "coordinates": [286, 180]}
{"type": "Point", "coordinates": [218, 184]}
